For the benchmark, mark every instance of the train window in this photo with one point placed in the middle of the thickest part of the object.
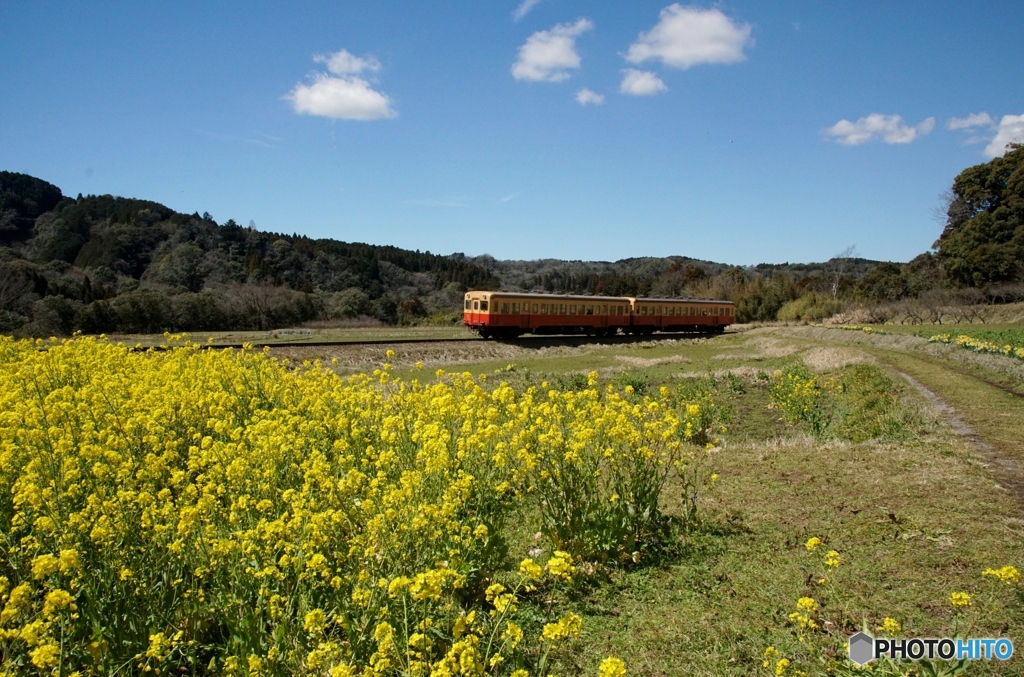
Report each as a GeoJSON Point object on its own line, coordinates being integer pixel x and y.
{"type": "Point", "coordinates": [572, 308]}
{"type": "Point", "coordinates": [590, 310]}
{"type": "Point", "coordinates": [561, 309]}
{"type": "Point", "coordinates": [483, 305]}
{"type": "Point", "coordinates": [657, 310]}
{"type": "Point", "coordinates": [504, 307]}
{"type": "Point", "coordinates": [543, 309]}
{"type": "Point", "coordinates": [620, 310]}
{"type": "Point", "coordinates": [469, 304]}
{"type": "Point", "coordinates": [643, 310]}
{"type": "Point", "coordinates": [535, 307]}
{"type": "Point", "coordinates": [515, 308]}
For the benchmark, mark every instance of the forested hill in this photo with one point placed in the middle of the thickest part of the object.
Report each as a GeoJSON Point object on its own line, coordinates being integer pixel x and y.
{"type": "Point", "coordinates": [104, 263]}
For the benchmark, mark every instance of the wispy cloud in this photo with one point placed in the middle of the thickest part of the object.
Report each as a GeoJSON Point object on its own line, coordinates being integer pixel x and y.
{"type": "Point", "coordinates": [265, 140]}
{"type": "Point", "coordinates": [688, 36]}
{"type": "Point", "coordinates": [588, 97]}
{"type": "Point", "coordinates": [641, 83]}
{"type": "Point", "coordinates": [971, 121]}
{"type": "Point", "coordinates": [523, 9]}
{"type": "Point", "coordinates": [877, 127]}
{"type": "Point", "coordinates": [548, 56]}
{"type": "Point", "coordinates": [509, 198]}
{"type": "Point", "coordinates": [342, 94]}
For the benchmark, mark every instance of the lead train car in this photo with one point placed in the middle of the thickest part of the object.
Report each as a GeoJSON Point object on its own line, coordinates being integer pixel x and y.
{"type": "Point", "coordinates": [508, 315]}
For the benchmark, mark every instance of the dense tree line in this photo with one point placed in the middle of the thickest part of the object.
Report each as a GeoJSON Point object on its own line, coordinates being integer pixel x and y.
{"type": "Point", "coordinates": [105, 264]}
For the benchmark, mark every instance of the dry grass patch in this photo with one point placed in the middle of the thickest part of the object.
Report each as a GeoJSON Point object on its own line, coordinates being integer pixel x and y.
{"type": "Point", "coordinates": [830, 358]}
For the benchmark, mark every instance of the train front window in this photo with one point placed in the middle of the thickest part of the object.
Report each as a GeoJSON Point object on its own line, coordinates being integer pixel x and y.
{"type": "Point", "coordinates": [483, 305]}
{"type": "Point", "coordinates": [469, 304]}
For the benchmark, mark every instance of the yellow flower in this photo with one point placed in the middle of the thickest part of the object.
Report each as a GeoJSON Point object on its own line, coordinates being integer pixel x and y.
{"type": "Point", "coordinates": [56, 601]}
{"type": "Point", "coordinates": [769, 654]}
{"type": "Point", "coordinates": [1007, 574]}
{"type": "Point", "coordinates": [44, 565]}
{"type": "Point", "coordinates": [781, 666]}
{"type": "Point", "coordinates": [813, 543]}
{"type": "Point", "coordinates": [807, 604]}
{"type": "Point", "coordinates": [960, 599]}
{"type": "Point", "coordinates": [513, 634]}
{"type": "Point", "coordinates": [560, 565]}
{"type": "Point", "coordinates": [315, 621]}
{"type": "Point", "coordinates": [832, 559]}
{"type": "Point", "coordinates": [567, 626]}
{"type": "Point", "coordinates": [890, 626]}
{"type": "Point", "coordinates": [530, 569]}
{"type": "Point", "coordinates": [612, 667]}
{"type": "Point", "coordinates": [45, 656]}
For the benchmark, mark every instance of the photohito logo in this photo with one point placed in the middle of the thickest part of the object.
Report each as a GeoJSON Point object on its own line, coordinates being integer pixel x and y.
{"type": "Point", "coordinates": [864, 648]}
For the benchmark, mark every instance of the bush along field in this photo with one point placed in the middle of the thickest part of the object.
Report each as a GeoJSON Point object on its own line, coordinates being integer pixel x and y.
{"type": "Point", "coordinates": [198, 512]}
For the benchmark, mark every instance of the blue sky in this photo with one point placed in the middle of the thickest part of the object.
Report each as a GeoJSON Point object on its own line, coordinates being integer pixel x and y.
{"type": "Point", "coordinates": [741, 132]}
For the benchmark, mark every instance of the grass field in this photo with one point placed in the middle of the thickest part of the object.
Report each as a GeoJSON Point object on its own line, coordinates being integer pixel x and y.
{"type": "Point", "coordinates": [913, 486]}
{"type": "Point", "coordinates": [305, 335]}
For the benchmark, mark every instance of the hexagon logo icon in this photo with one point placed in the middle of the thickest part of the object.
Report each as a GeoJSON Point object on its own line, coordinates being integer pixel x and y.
{"type": "Point", "coordinates": [862, 648]}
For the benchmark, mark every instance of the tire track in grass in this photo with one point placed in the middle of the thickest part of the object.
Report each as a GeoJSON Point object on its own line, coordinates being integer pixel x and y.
{"type": "Point", "coordinates": [990, 417]}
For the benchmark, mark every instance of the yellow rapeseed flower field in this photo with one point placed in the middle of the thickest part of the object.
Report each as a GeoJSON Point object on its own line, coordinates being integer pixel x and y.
{"type": "Point", "coordinates": [226, 512]}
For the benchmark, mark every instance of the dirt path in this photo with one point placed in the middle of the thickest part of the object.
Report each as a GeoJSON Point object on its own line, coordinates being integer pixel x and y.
{"type": "Point", "coordinates": [1009, 472]}
{"type": "Point", "coordinates": [987, 413]}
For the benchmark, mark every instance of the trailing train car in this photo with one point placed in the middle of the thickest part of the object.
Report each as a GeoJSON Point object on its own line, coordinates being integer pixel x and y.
{"type": "Point", "coordinates": [508, 315]}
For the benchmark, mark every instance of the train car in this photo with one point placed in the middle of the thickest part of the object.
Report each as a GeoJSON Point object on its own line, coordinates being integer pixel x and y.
{"type": "Point", "coordinates": [681, 315]}
{"type": "Point", "coordinates": [508, 314]}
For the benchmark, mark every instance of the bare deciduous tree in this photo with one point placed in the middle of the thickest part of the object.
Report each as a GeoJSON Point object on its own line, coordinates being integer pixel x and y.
{"type": "Point", "coordinates": [837, 267]}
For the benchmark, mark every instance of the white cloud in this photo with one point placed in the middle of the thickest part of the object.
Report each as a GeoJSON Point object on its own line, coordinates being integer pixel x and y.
{"type": "Point", "coordinates": [349, 98]}
{"type": "Point", "coordinates": [687, 36]}
{"type": "Point", "coordinates": [1010, 129]}
{"type": "Point", "coordinates": [548, 55]}
{"type": "Point", "coordinates": [971, 121]}
{"type": "Point", "coordinates": [342, 95]}
{"type": "Point", "coordinates": [588, 96]}
{"type": "Point", "coordinates": [523, 9]}
{"type": "Point", "coordinates": [887, 128]}
{"type": "Point", "coordinates": [343, 63]}
{"type": "Point", "coordinates": [641, 83]}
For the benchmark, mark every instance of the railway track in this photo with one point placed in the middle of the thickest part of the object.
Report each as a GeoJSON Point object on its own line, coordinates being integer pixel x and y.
{"type": "Point", "coordinates": [553, 340]}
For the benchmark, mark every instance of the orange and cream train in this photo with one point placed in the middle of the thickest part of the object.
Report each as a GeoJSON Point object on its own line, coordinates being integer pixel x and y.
{"type": "Point", "coordinates": [495, 314]}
